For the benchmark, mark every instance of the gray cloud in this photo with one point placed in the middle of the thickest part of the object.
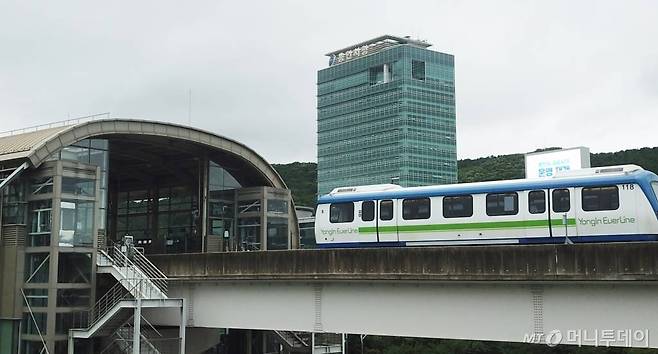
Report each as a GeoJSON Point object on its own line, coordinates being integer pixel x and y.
{"type": "Point", "coordinates": [529, 74]}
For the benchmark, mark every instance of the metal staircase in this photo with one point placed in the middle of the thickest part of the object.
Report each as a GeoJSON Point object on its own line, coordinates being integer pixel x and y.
{"type": "Point", "coordinates": [295, 342]}
{"type": "Point", "coordinates": [313, 343]}
{"type": "Point", "coordinates": [151, 340]}
{"type": "Point", "coordinates": [117, 314]}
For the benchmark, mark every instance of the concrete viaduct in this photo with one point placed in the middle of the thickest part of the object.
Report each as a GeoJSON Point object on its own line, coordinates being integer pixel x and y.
{"type": "Point", "coordinates": [585, 294]}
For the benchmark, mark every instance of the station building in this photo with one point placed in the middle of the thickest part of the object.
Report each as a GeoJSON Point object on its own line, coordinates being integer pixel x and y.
{"type": "Point", "coordinates": [70, 189]}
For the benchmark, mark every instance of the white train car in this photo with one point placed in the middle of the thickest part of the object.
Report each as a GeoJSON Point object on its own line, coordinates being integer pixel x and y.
{"type": "Point", "coordinates": [608, 204]}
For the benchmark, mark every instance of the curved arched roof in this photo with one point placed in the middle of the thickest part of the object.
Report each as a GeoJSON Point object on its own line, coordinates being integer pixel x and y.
{"type": "Point", "coordinates": [38, 145]}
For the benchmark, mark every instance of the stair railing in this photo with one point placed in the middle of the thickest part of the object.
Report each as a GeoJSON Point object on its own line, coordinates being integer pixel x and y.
{"type": "Point", "coordinates": [126, 289]}
{"type": "Point", "coordinates": [300, 339]}
{"type": "Point", "coordinates": [285, 338]}
{"type": "Point", "coordinates": [128, 329]}
{"type": "Point", "coordinates": [151, 271]}
{"type": "Point", "coordinates": [136, 265]}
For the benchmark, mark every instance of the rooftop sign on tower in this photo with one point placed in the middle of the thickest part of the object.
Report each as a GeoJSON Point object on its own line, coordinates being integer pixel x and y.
{"type": "Point", "coordinates": [370, 47]}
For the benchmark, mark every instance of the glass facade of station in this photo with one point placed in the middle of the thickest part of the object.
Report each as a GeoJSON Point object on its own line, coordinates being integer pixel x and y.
{"type": "Point", "coordinates": [56, 212]}
{"type": "Point", "coordinates": [56, 217]}
{"type": "Point", "coordinates": [387, 117]}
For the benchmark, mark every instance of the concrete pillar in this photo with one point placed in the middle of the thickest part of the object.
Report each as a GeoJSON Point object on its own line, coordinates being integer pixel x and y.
{"type": "Point", "coordinates": [70, 346]}
{"type": "Point", "coordinates": [203, 204]}
{"type": "Point", "coordinates": [248, 335]}
{"type": "Point", "coordinates": [137, 327]}
{"type": "Point", "coordinates": [181, 328]}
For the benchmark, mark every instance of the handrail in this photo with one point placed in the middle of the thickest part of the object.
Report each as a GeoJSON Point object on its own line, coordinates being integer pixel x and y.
{"type": "Point", "coordinates": [286, 335]}
{"type": "Point", "coordinates": [61, 123]}
{"type": "Point", "coordinates": [285, 338]}
{"type": "Point", "coordinates": [106, 303]}
{"type": "Point", "coordinates": [139, 266]}
{"type": "Point", "coordinates": [300, 339]}
{"type": "Point", "coordinates": [151, 270]}
{"type": "Point", "coordinates": [152, 327]}
{"type": "Point", "coordinates": [128, 328]}
{"type": "Point", "coordinates": [134, 288]}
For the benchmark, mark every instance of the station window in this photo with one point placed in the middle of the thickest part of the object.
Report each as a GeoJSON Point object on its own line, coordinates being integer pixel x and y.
{"type": "Point", "coordinates": [42, 185]}
{"type": "Point", "coordinates": [502, 204]}
{"type": "Point", "coordinates": [74, 267]}
{"type": "Point", "coordinates": [561, 200]}
{"type": "Point", "coordinates": [37, 297]}
{"type": "Point", "coordinates": [277, 233]}
{"type": "Point", "coordinates": [34, 323]}
{"type": "Point", "coordinates": [460, 206]}
{"type": "Point", "coordinates": [537, 202]}
{"type": "Point", "coordinates": [40, 222]}
{"type": "Point", "coordinates": [600, 198]}
{"type": "Point", "coordinates": [341, 212]}
{"type": "Point", "coordinates": [413, 209]}
{"type": "Point", "coordinates": [37, 267]}
{"type": "Point", "coordinates": [73, 297]}
{"type": "Point", "coordinates": [368, 211]}
{"type": "Point", "coordinates": [67, 320]}
{"type": "Point", "coordinates": [386, 210]}
{"type": "Point", "coordinates": [79, 186]}
{"type": "Point", "coordinates": [277, 206]}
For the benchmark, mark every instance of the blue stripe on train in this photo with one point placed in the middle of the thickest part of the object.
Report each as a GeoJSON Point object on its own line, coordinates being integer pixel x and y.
{"type": "Point", "coordinates": [361, 244]}
{"type": "Point", "coordinates": [503, 241]}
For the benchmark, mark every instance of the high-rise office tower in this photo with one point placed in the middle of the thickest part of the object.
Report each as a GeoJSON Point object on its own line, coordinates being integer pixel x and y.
{"type": "Point", "coordinates": [386, 114]}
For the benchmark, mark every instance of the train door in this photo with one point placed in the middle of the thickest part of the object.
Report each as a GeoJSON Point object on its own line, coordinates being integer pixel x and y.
{"type": "Point", "coordinates": [387, 228]}
{"type": "Point", "coordinates": [562, 212]}
{"type": "Point", "coordinates": [535, 212]}
{"type": "Point", "coordinates": [367, 221]}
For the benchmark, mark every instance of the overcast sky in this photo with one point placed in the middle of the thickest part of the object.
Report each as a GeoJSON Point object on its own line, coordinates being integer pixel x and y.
{"type": "Point", "coordinates": [529, 74]}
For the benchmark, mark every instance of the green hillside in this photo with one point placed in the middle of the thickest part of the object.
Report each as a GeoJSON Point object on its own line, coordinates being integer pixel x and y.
{"type": "Point", "coordinates": [301, 177]}
{"type": "Point", "coordinates": [512, 166]}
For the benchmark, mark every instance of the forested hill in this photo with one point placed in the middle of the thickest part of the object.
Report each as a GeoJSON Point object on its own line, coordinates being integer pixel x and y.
{"type": "Point", "coordinates": [513, 166]}
{"type": "Point", "coordinates": [301, 177]}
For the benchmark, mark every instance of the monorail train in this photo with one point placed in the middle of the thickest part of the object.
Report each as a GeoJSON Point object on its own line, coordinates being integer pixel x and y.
{"type": "Point", "coordinates": [608, 204]}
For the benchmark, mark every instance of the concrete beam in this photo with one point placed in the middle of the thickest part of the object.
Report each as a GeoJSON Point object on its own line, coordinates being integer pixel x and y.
{"type": "Point", "coordinates": [581, 262]}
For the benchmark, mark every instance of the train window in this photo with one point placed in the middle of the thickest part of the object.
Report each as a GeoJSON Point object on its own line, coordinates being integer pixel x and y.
{"type": "Point", "coordinates": [655, 188]}
{"type": "Point", "coordinates": [386, 210]}
{"type": "Point", "coordinates": [561, 200]}
{"type": "Point", "coordinates": [537, 202]}
{"type": "Point", "coordinates": [600, 198]}
{"type": "Point", "coordinates": [341, 212]}
{"type": "Point", "coordinates": [502, 204]}
{"type": "Point", "coordinates": [458, 207]}
{"type": "Point", "coordinates": [368, 211]}
{"type": "Point", "coordinates": [413, 209]}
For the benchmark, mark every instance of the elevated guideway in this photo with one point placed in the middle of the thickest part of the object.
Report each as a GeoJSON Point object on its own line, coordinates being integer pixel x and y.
{"type": "Point", "coordinates": [503, 293]}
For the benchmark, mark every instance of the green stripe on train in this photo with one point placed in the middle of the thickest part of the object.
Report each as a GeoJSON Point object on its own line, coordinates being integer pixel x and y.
{"type": "Point", "coordinates": [471, 226]}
